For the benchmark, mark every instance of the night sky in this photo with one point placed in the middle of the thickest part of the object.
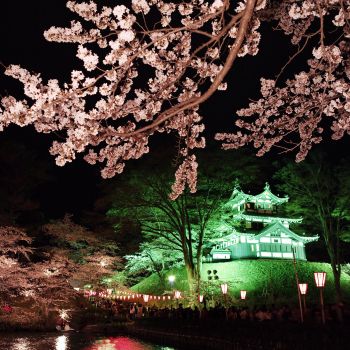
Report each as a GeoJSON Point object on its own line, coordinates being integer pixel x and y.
{"type": "Point", "coordinates": [74, 187]}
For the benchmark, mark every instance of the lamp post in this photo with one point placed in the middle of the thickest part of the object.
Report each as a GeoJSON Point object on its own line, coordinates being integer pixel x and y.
{"type": "Point", "coordinates": [200, 299]}
{"type": "Point", "coordinates": [224, 288]}
{"type": "Point", "coordinates": [177, 295]}
{"type": "Point", "coordinates": [171, 280]}
{"type": "Point", "coordinates": [224, 292]}
{"type": "Point", "coordinates": [303, 291]}
{"type": "Point", "coordinates": [297, 283]}
{"type": "Point", "coordinates": [320, 280]}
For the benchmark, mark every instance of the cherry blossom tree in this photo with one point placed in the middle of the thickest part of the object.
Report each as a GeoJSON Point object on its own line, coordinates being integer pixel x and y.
{"type": "Point", "coordinates": [148, 67]}
{"type": "Point", "coordinates": [94, 257]}
{"type": "Point", "coordinates": [295, 116]}
{"type": "Point", "coordinates": [46, 280]}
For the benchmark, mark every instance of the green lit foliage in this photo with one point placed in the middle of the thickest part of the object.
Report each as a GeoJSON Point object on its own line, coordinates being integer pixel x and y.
{"type": "Point", "coordinates": [153, 257]}
{"type": "Point", "coordinates": [186, 223]}
{"type": "Point", "coordinates": [151, 285]}
{"type": "Point", "coordinates": [175, 226]}
{"type": "Point", "coordinates": [320, 188]}
{"type": "Point", "coordinates": [266, 282]}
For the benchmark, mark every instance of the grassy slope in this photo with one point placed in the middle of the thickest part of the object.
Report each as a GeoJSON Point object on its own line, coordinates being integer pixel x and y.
{"type": "Point", "coordinates": [265, 280]}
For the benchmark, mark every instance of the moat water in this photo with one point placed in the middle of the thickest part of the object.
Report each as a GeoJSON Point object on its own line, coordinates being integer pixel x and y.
{"type": "Point", "coordinates": [73, 341]}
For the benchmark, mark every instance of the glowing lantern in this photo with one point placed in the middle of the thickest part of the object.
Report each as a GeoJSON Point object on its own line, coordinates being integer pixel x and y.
{"type": "Point", "coordinates": [177, 294]}
{"type": "Point", "coordinates": [303, 288]}
{"type": "Point", "coordinates": [169, 297]}
{"type": "Point", "coordinates": [163, 297]}
{"type": "Point", "coordinates": [243, 294]}
{"type": "Point", "coordinates": [201, 298]}
{"type": "Point", "coordinates": [320, 279]}
{"type": "Point", "coordinates": [224, 288]}
{"type": "Point", "coordinates": [158, 298]}
{"type": "Point", "coordinates": [145, 298]}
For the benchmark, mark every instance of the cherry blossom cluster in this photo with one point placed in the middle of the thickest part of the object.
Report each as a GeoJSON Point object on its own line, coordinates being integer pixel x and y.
{"type": "Point", "coordinates": [295, 116]}
{"type": "Point", "coordinates": [47, 281]}
{"type": "Point", "coordinates": [146, 69]}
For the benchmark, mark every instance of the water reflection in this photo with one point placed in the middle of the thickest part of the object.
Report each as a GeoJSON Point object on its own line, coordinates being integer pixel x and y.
{"type": "Point", "coordinates": [119, 343]}
{"type": "Point", "coordinates": [72, 341]}
{"type": "Point", "coordinates": [61, 343]}
{"type": "Point", "coordinates": [21, 344]}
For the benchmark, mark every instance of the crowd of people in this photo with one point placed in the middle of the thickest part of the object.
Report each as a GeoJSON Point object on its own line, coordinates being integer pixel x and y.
{"type": "Point", "coordinates": [136, 310]}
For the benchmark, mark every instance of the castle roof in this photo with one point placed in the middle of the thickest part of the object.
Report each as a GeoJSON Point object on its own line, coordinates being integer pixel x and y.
{"type": "Point", "coordinates": [265, 217]}
{"type": "Point", "coordinates": [276, 227]}
{"type": "Point", "coordinates": [238, 197]}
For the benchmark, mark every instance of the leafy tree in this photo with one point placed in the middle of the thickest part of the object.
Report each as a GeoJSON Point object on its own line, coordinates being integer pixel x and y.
{"type": "Point", "coordinates": [148, 68]}
{"type": "Point", "coordinates": [153, 257]}
{"type": "Point", "coordinates": [81, 244]}
{"type": "Point", "coordinates": [179, 225]}
{"type": "Point", "coordinates": [184, 224]}
{"type": "Point", "coordinates": [44, 274]}
{"type": "Point", "coordinates": [320, 188]}
{"type": "Point", "coordinates": [15, 252]}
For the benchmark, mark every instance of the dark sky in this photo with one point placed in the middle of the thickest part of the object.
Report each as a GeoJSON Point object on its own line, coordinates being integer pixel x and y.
{"type": "Point", "coordinates": [74, 187]}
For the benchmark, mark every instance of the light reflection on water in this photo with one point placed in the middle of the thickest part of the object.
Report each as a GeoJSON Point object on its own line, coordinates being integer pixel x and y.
{"type": "Point", "coordinates": [21, 344]}
{"type": "Point", "coordinates": [61, 343]}
{"type": "Point", "coordinates": [72, 341]}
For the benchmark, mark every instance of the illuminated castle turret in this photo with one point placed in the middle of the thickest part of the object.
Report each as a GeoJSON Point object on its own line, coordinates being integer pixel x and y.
{"type": "Point", "coordinates": [262, 231]}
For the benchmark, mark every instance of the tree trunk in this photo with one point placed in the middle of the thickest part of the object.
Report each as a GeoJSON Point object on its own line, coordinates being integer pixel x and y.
{"type": "Point", "coordinates": [338, 295]}
{"type": "Point", "coordinates": [191, 278]}
{"type": "Point", "coordinates": [332, 247]}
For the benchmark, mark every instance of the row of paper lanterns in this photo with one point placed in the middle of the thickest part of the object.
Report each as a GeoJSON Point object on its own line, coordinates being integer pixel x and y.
{"type": "Point", "coordinates": [320, 279]}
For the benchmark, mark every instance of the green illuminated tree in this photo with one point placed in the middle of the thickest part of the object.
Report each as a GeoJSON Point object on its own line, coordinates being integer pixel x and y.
{"type": "Point", "coordinates": [320, 188]}
{"type": "Point", "coordinates": [156, 256]}
{"type": "Point", "coordinates": [182, 224]}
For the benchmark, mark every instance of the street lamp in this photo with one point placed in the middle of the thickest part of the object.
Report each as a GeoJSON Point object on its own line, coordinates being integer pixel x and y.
{"type": "Point", "coordinates": [243, 294]}
{"type": "Point", "coordinates": [171, 279]}
{"type": "Point", "coordinates": [224, 288]}
{"type": "Point", "coordinates": [224, 292]}
{"type": "Point", "coordinates": [320, 280]}
{"type": "Point", "coordinates": [303, 291]}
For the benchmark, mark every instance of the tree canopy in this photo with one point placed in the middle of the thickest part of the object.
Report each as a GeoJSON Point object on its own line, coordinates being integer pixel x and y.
{"type": "Point", "coordinates": [320, 187]}
{"type": "Point", "coordinates": [148, 67]}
